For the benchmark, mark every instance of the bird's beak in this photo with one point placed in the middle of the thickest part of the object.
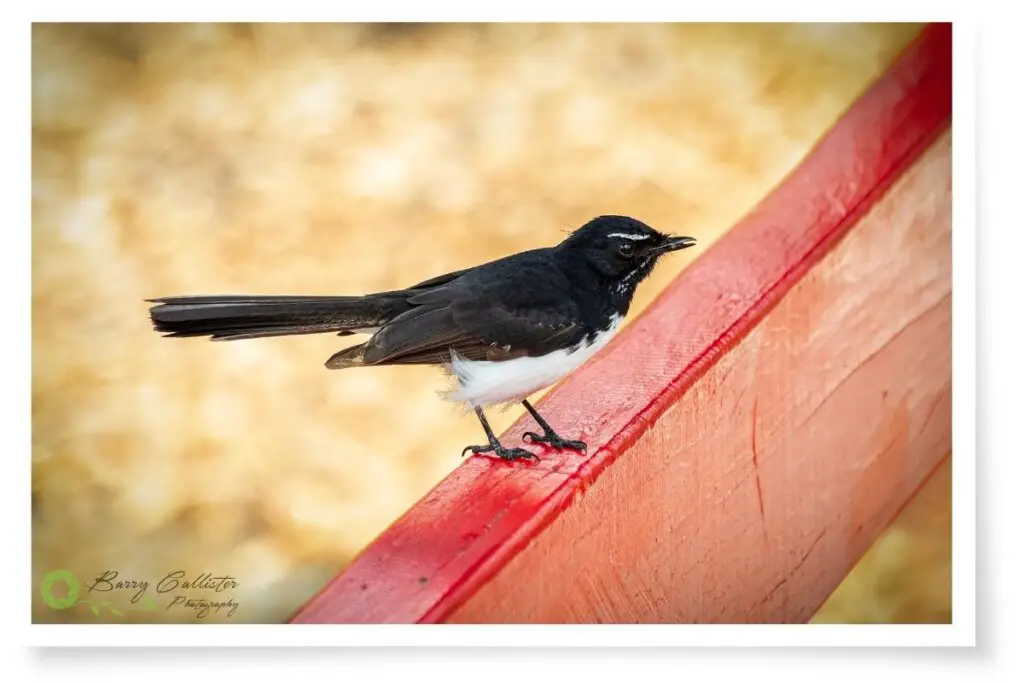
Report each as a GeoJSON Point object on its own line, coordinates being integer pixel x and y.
{"type": "Point", "coordinates": [674, 244]}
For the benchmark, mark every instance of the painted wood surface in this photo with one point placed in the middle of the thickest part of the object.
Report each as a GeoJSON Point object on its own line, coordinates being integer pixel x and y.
{"type": "Point", "coordinates": [750, 434]}
{"type": "Point", "coordinates": [752, 496]}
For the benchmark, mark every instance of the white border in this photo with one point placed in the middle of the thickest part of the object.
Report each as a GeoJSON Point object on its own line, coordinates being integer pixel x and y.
{"type": "Point", "coordinates": [964, 460]}
{"type": "Point", "coordinates": [525, 635]}
{"type": "Point", "coordinates": [962, 632]}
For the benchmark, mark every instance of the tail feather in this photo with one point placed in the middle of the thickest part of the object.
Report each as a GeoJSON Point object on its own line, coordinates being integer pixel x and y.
{"type": "Point", "coordinates": [346, 358]}
{"type": "Point", "coordinates": [225, 318]}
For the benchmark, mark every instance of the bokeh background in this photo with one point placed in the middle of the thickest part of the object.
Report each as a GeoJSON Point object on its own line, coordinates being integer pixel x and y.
{"type": "Point", "coordinates": [291, 159]}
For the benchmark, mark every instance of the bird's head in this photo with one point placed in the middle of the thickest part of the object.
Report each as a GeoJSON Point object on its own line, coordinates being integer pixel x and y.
{"type": "Point", "coordinates": [622, 249]}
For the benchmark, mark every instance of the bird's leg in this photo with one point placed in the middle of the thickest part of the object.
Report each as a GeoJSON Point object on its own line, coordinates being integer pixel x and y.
{"type": "Point", "coordinates": [495, 445]}
{"type": "Point", "coordinates": [550, 438]}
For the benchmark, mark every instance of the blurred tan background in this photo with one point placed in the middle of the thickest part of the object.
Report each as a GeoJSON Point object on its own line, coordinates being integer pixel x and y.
{"type": "Point", "coordinates": [291, 159]}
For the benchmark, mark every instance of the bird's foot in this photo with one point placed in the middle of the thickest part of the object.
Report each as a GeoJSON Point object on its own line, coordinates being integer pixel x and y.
{"type": "Point", "coordinates": [555, 441]}
{"type": "Point", "coordinates": [501, 452]}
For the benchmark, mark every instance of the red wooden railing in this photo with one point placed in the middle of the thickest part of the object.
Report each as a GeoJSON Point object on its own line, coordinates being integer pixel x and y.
{"type": "Point", "coordinates": [750, 433]}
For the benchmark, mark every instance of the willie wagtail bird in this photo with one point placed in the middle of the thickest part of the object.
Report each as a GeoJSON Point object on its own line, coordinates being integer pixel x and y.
{"type": "Point", "coordinates": [504, 329]}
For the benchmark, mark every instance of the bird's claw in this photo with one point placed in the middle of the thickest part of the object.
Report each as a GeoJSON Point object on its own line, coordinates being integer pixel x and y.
{"type": "Point", "coordinates": [502, 452]}
{"type": "Point", "coordinates": [554, 441]}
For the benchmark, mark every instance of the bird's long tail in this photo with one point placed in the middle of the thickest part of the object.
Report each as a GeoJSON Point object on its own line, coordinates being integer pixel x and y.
{"type": "Point", "coordinates": [225, 318]}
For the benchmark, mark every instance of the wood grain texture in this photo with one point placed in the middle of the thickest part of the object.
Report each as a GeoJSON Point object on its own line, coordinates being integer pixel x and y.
{"type": "Point", "coordinates": [750, 433]}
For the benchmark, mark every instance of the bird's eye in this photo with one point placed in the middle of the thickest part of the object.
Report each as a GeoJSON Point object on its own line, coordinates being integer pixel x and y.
{"type": "Point", "coordinates": [626, 248]}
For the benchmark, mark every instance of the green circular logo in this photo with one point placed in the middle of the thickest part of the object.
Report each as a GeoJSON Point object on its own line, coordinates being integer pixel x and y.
{"type": "Point", "coordinates": [55, 577]}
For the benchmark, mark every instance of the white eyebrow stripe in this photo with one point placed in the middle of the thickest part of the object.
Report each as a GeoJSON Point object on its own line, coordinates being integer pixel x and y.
{"type": "Point", "coordinates": [629, 236]}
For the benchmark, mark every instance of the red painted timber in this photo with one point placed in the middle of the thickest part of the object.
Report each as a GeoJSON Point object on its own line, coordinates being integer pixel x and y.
{"type": "Point", "coordinates": [750, 499]}
{"type": "Point", "coordinates": [445, 550]}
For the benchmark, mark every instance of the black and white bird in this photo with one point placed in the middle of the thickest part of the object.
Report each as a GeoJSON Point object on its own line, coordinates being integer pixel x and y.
{"type": "Point", "coordinates": [504, 329]}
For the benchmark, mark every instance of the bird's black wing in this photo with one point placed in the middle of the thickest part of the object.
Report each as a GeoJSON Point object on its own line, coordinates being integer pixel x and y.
{"type": "Point", "coordinates": [494, 334]}
{"type": "Point", "coordinates": [488, 314]}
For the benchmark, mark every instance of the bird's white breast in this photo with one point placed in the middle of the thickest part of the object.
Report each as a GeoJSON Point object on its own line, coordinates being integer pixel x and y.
{"type": "Point", "coordinates": [486, 383]}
